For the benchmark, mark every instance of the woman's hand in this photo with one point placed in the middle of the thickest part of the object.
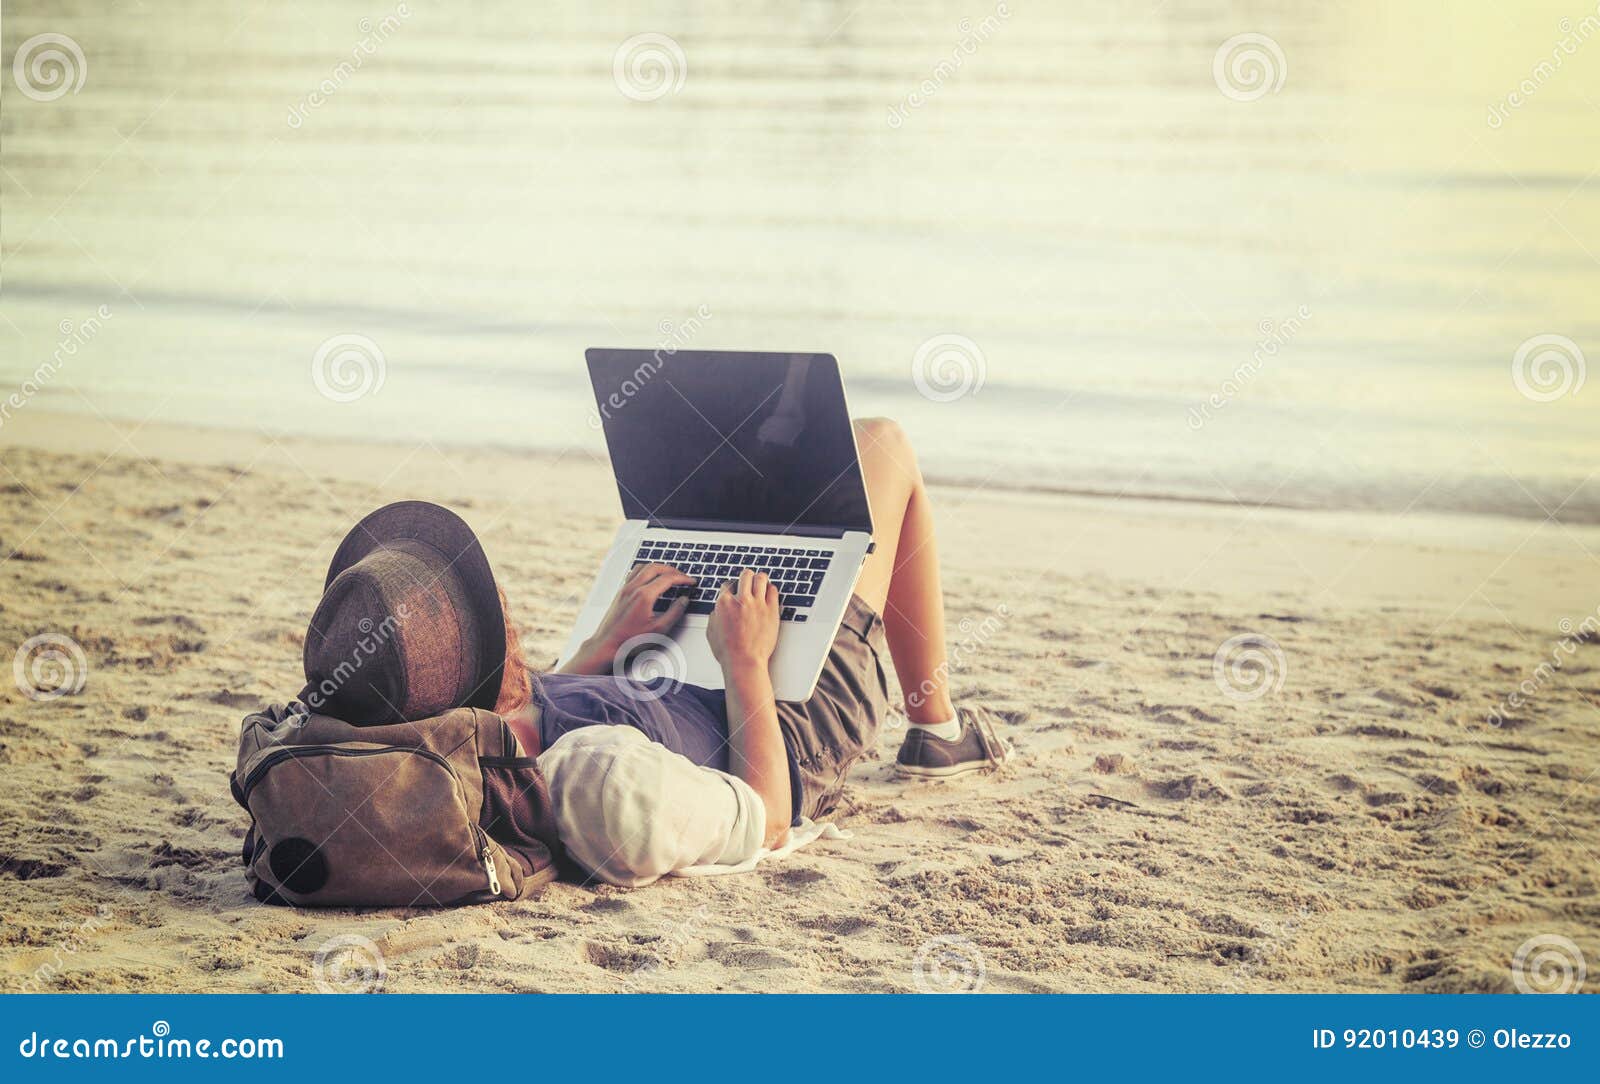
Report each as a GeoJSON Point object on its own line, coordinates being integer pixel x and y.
{"type": "Point", "coordinates": [632, 613]}
{"type": "Point", "coordinates": [743, 630]}
{"type": "Point", "coordinates": [743, 634]}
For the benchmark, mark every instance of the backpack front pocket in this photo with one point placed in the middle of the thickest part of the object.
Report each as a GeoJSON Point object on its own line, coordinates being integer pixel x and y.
{"type": "Point", "coordinates": [518, 815]}
{"type": "Point", "coordinates": [362, 824]}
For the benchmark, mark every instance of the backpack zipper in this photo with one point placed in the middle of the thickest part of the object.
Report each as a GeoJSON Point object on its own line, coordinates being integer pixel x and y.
{"type": "Point", "coordinates": [290, 752]}
{"type": "Point", "coordinates": [487, 857]}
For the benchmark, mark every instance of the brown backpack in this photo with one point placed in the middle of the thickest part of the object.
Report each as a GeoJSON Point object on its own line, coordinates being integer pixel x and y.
{"type": "Point", "coordinates": [436, 812]}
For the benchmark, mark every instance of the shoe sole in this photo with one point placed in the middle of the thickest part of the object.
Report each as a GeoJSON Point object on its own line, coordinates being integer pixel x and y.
{"type": "Point", "coordinates": [920, 772]}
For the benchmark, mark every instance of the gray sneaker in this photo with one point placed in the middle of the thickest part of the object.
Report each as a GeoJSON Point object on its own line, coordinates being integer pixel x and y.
{"type": "Point", "coordinates": [977, 748]}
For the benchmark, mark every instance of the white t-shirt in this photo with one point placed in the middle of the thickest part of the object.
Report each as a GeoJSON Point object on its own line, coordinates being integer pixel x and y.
{"type": "Point", "coordinates": [630, 810]}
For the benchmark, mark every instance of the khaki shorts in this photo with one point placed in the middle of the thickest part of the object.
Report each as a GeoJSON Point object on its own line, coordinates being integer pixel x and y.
{"type": "Point", "coordinates": [829, 732]}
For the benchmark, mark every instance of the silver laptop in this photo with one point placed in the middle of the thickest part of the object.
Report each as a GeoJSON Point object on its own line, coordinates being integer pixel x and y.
{"type": "Point", "coordinates": [726, 461]}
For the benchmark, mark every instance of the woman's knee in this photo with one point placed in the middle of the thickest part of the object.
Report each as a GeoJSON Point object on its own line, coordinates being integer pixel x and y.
{"type": "Point", "coordinates": [885, 437]}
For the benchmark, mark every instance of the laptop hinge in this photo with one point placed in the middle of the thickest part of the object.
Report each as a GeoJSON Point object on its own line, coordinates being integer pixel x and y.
{"type": "Point", "coordinates": [740, 527]}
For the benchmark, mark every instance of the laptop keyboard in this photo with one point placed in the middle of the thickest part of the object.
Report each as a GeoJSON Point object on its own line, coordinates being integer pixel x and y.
{"type": "Point", "coordinates": [796, 572]}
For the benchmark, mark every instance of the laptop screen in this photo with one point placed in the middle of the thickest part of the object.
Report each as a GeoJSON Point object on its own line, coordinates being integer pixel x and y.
{"type": "Point", "coordinates": [736, 441]}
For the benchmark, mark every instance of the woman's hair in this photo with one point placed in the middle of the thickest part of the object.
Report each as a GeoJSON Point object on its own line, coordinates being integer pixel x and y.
{"type": "Point", "coordinates": [516, 686]}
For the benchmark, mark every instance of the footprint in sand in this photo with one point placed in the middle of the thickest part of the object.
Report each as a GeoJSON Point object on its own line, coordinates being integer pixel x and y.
{"type": "Point", "coordinates": [750, 957]}
{"type": "Point", "coordinates": [845, 926]}
{"type": "Point", "coordinates": [29, 869]}
{"type": "Point", "coordinates": [1189, 787]}
{"type": "Point", "coordinates": [617, 957]}
{"type": "Point", "coordinates": [797, 878]}
{"type": "Point", "coordinates": [1112, 764]}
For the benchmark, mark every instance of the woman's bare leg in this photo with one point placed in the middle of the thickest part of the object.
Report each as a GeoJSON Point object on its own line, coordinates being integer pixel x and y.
{"type": "Point", "coordinates": [901, 577]}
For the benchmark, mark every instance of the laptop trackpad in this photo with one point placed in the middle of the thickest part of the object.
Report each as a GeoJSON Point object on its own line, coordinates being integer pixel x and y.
{"type": "Point", "coordinates": [699, 666]}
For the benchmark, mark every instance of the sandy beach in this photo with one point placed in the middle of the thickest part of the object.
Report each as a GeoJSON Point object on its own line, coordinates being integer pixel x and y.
{"type": "Point", "coordinates": [1359, 826]}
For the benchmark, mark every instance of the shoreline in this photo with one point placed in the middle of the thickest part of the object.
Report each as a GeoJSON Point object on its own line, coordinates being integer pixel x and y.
{"type": "Point", "coordinates": [1378, 502]}
{"type": "Point", "coordinates": [1324, 557]}
{"type": "Point", "coordinates": [188, 442]}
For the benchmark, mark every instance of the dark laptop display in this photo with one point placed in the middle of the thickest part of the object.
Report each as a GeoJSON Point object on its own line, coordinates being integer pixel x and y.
{"type": "Point", "coordinates": [730, 441]}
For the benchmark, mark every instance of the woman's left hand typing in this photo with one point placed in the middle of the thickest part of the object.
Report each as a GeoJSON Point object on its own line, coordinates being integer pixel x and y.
{"type": "Point", "coordinates": [632, 614]}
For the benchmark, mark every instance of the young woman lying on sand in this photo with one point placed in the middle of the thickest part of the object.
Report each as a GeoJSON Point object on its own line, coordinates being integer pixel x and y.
{"type": "Point", "coordinates": [653, 778]}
